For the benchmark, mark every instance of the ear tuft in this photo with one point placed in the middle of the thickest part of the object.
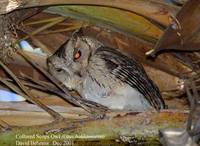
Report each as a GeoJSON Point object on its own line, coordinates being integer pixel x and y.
{"type": "Point", "coordinates": [78, 33]}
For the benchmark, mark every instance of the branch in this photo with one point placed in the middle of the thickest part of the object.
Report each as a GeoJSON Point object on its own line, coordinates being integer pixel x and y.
{"type": "Point", "coordinates": [4, 126]}
{"type": "Point", "coordinates": [151, 9]}
{"type": "Point", "coordinates": [29, 96]}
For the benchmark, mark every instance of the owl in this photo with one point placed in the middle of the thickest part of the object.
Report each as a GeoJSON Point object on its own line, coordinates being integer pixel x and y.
{"type": "Point", "coordinates": [104, 75]}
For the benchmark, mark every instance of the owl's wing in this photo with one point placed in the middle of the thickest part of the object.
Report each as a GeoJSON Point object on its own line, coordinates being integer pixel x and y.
{"type": "Point", "coordinates": [128, 70]}
{"type": "Point", "coordinates": [141, 82]}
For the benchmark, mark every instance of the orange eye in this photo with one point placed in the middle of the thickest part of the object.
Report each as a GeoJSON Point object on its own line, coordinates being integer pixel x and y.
{"type": "Point", "coordinates": [77, 55]}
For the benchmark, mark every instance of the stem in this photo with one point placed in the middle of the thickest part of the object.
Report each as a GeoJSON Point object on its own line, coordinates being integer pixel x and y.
{"type": "Point", "coordinates": [29, 96]}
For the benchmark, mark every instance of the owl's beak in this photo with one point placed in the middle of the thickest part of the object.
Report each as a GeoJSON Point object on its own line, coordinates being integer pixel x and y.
{"type": "Point", "coordinates": [48, 60]}
{"type": "Point", "coordinates": [49, 63]}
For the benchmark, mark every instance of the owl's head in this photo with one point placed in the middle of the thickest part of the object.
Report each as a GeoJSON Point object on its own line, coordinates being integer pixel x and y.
{"type": "Point", "coordinates": [69, 63]}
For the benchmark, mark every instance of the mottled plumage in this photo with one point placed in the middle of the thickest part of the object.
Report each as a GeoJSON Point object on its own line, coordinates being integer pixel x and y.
{"type": "Point", "coordinates": [130, 71]}
{"type": "Point", "coordinates": [104, 75]}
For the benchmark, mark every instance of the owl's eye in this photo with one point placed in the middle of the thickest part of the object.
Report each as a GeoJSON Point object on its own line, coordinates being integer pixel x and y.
{"type": "Point", "coordinates": [59, 70]}
{"type": "Point", "coordinates": [77, 55]}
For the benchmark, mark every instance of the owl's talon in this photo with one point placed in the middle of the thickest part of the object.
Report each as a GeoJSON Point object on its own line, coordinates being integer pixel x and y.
{"type": "Point", "coordinates": [98, 116]}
